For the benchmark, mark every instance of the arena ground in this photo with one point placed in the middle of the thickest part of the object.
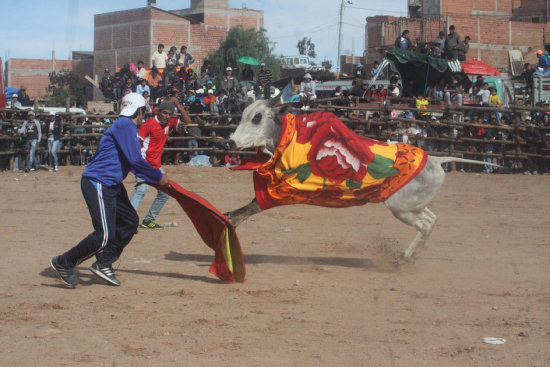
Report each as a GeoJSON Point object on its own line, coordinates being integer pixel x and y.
{"type": "Point", "coordinates": [321, 286]}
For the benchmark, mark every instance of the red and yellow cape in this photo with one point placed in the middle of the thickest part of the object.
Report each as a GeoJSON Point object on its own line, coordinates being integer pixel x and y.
{"type": "Point", "coordinates": [319, 161]}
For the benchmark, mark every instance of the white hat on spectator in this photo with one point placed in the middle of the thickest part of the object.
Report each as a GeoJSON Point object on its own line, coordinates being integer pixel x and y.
{"type": "Point", "coordinates": [528, 118]}
{"type": "Point", "coordinates": [262, 64]}
{"type": "Point", "coordinates": [307, 76]}
{"type": "Point", "coordinates": [14, 95]}
{"type": "Point", "coordinates": [199, 91]}
{"type": "Point", "coordinates": [130, 104]}
{"type": "Point", "coordinates": [210, 91]}
{"type": "Point", "coordinates": [30, 113]}
{"type": "Point", "coordinates": [228, 68]}
{"type": "Point", "coordinates": [52, 113]}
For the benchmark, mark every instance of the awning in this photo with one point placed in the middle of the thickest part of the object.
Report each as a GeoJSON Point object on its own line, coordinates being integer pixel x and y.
{"type": "Point", "coordinates": [421, 69]}
{"type": "Point", "coordinates": [476, 67]}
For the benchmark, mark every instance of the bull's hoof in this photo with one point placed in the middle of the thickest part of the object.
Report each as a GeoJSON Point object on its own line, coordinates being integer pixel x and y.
{"type": "Point", "coordinates": [405, 260]}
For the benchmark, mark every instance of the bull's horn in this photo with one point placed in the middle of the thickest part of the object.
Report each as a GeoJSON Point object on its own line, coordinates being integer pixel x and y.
{"type": "Point", "coordinates": [273, 101]}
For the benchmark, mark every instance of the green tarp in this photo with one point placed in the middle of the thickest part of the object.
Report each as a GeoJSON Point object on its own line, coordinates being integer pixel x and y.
{"type": "Point", "coordinates": [419, 70]}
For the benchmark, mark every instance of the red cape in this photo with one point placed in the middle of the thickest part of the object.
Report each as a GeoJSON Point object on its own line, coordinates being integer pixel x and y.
{"type": "Point", "coordinates": [216, 231]}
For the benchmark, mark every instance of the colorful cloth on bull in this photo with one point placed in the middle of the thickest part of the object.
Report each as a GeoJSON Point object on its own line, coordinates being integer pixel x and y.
{"type": "Point", "coordinates": [319, 161]}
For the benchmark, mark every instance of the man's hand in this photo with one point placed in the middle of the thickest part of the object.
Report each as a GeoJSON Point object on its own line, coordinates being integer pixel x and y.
{"type": "Point", "coordinates": [164, 181]}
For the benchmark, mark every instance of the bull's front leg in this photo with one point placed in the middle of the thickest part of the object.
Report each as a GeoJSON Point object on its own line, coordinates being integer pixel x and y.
{"type": "Point", "coordinates": [240, 215]}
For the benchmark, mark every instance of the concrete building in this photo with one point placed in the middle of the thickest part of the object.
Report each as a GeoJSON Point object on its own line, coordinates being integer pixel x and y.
{"type": "Point", "coordinates": [128, 36]}
{"type": "Point", "coordinates": [495, 27]}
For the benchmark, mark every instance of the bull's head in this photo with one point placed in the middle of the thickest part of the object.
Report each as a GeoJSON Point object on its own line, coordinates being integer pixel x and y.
{"type": "Point", "coordinates": [260, 126]}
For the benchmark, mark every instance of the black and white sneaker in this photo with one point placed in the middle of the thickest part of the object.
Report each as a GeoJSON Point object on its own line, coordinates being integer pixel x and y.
{"type": "Point", "coordinates": [66, 274]}
{"type": "Point", "coordinates": [104, 272]}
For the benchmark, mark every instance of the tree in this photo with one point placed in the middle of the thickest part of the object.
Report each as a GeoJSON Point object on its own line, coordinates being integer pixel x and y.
{"type": "Point", "coordinates": [306, 47]}
{"type": "Point", "coordinates": [327, 64]}
{"type": "Point", "coordinates": [241, 42]}
{"type": "Point", "coordinates": [63, 84]}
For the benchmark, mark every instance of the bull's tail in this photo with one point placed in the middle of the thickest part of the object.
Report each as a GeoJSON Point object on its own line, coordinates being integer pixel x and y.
{"type": "Point", "coordinates": [441, 160]}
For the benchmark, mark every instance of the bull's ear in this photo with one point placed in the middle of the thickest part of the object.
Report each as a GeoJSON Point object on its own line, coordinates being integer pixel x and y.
{"type": "Point", "coordinates": [278, 112]}
{"type": "Point", "coordinates": [273, 101]}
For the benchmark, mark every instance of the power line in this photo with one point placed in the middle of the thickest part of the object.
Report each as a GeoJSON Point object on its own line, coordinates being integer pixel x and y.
{"type": "Point", "coordinates": [314, 30]}
{"type": "Point", "coordinates": [377, 10]}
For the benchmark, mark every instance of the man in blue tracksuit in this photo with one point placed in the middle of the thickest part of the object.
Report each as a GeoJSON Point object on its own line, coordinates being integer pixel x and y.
{"type": "Point", "coordinates": [114, 219]}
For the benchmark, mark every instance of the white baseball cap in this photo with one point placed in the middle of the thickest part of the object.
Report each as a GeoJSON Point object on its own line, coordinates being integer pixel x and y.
{"type": "Point", "coordinates": [200, 91]}
{"type": "Point", "coordinates": [210, 91]}
{"type": "Point", "coordinates": [52, 113]}
{"type": "Point", "coordinates": [228, 68]}
{"type": "Point", "coordinates": [130, 103]}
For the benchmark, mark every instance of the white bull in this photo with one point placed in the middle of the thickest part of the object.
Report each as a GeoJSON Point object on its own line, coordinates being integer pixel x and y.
{"type": "Point", "coordinates": [261, 127]}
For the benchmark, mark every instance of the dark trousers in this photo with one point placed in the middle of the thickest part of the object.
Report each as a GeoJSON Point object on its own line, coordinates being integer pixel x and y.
{"type": "Point", "coordinates": [115, 222]}
{"type": "Point", "coordinates": [264, 91]}
{"type": "Point", "coordinates": [267, 91]}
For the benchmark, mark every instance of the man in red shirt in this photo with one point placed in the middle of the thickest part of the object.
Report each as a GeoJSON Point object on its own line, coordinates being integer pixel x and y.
{"type": "Point", "coordinates": [153, 134]}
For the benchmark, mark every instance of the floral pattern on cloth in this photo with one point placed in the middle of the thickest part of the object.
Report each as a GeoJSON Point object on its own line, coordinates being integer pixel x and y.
{"type": "Point", "coordinates": [320, 161]}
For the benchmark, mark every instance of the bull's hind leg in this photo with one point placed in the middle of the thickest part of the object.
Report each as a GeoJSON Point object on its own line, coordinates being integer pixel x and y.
{"type": "Point", "coordinates": [410, 205]}
{"type": "Point", "coordinates": [240, 215]}
{"type": "Point", "coordinates": [424, 222]}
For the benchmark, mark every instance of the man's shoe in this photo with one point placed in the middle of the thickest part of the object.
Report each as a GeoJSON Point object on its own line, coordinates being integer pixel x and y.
{"type": "Point", "coordinates": [56, 169]}
{"type": "Point", "coordinates": [150, 224]}
{"type": "Point", "coordinates": [66, 274]}
{"type": "Point", "coordinates": [104, 272]}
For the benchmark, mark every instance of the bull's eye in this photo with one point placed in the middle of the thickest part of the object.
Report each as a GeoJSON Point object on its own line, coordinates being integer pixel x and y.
{"type": "Point", "coordinates": [257, 118]}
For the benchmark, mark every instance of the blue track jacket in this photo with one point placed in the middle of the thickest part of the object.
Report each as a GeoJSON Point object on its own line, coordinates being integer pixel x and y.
{"type": "Point", "coordinates": [118, 153]}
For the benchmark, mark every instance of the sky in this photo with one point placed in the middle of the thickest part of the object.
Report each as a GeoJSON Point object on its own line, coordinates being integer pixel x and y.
{"type": "Point", "coordinates": [32, 28]}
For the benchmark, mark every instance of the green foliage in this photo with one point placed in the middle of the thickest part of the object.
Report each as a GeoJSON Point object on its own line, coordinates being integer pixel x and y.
{"type": "Point", "coordinates": [241, 42]}
{"type": "Point", "coordinates": [63, 84]}
{"type": "Point", "coordinates": [327, 64]}
{"type": "Point", "coordinates": [306, 47]}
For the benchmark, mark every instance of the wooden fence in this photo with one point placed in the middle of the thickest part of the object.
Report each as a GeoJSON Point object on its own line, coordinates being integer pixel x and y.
{"type": "Point", "coordinates": [447, 135]}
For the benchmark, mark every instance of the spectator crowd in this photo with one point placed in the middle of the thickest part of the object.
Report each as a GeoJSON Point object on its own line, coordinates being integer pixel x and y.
{"type": "Point", "coordinates": [172, 74]}
{"type": "Point", "coordinates": [487, 135]}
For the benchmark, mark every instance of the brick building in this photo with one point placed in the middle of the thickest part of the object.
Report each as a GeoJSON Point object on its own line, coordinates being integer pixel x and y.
{"type": "Point", "coordinates": [131, 35]}
{"type": "Point", "coordinates": [495, 26]}
{"type": "Point", "coordinates": [33, 74]}
{"type": "Point", "coordinates": [347, 63]}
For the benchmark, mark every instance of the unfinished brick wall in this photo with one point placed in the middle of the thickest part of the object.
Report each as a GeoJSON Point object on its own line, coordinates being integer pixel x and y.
{"type": "Point", "coordinates": [33, 74]}
{"type": "Point", "coordinates": [135, 34]}
{"type": "Point", "coordinates": [490, 25]}
{"type": "Point", "coordinates": [530, 10]}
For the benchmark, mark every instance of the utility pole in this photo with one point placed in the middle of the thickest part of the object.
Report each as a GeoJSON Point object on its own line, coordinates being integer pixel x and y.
{"type": "Point", "coordinates": [340, 35]}
{"type": "Point", "coordinates": [421, 20]}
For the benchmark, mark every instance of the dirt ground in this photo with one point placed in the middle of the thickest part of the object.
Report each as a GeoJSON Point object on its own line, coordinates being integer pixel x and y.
{"type": "Point", "coordinates": [321, 290]}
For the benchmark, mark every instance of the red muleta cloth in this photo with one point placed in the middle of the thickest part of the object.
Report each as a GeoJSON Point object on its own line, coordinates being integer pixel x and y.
{"type": "Point", "coordinates": [216, 231]}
